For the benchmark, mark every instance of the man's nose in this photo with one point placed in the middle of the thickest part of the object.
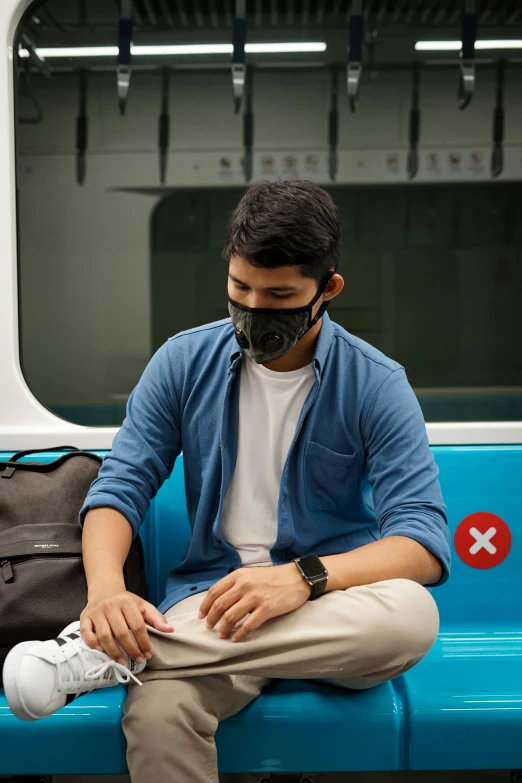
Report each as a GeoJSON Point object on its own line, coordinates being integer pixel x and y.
{"type": "Point", "coordinates": [256, 300]}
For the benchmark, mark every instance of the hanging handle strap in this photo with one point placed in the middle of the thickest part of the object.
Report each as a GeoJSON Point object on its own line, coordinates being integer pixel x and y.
{"type": "Point", "coordinates": [248, 131]}
{"type": "Point", "coordinates": [467, 54]}
{"type": "Point", "coordinates": [497, 155]}
{"type": "Point", "coordinates": [82, 128]}
{"type": "Point", "coordinates": [333, 127]}
{"type": "Point", "coordinates": [239, 35]}
{"type": "Point", "coordinates": [355, 55]}
{"type": "Point", "coordinates": [415, 117]}
{"type": "Point", "coordinates": [123, 71]}
{"type": "Point", "coordinates": [164, 125]}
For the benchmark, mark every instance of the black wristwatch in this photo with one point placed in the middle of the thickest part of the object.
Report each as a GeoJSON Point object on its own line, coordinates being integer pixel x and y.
{"type": "Point", "coordinates": [313, 571]}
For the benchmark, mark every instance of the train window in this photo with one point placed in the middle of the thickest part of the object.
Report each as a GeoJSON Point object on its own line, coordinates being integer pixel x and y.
{"type": "Point", "coordinates": [427, 289]}
{"type": "Point", "coordinates": [119, 240]}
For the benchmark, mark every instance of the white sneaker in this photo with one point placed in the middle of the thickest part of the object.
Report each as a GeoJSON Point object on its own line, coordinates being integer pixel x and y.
{"type": "Point", "coordinates": [41, 677]}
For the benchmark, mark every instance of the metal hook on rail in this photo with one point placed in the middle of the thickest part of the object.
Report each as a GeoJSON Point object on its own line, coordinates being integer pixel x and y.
{"type": "Point", "coordinates": [497, 154]}
{"type": "Point", "coordinates": [333, 127]}
{"type": "Point", "coordinates": [82, 127]}
{"type": "Point", "coordinates": [25, 89]}
{"type": "Point", "coordinates": [355, 54]}
{"type": "Point", "coordinates": [124, 68]}
{"type": "Point", "coordinates": [239, 34]}
{"type": "Point", "coordinates": [35, 59]}
{"type": "Point", "coordinates": [415, 117]}
{"type": "Point", "coordinates": [164, 124]}
{"type": "Point", "coordinates": [467, 54]}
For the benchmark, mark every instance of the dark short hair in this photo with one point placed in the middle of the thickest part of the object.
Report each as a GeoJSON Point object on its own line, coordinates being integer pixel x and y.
{"type": "Point", "coordinates": [287, 223]}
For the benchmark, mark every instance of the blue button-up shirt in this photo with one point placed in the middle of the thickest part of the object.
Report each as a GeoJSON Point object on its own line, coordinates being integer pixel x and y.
{"type": "Point", "coordinates": [359, 467]}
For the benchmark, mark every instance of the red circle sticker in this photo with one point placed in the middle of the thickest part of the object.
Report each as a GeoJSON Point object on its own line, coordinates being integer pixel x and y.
{"type": "Point", "coordinates": [482, 540]}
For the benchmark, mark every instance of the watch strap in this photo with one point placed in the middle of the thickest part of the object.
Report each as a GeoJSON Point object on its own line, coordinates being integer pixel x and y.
{"type": "Point", "coordinates": [318, 588]}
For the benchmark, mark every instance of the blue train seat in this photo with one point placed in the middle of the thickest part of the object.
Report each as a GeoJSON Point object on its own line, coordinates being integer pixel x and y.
{"type": "Point", "coordinates": [464, 700]}
{"type": "Point", "coordinates": [460, 708]}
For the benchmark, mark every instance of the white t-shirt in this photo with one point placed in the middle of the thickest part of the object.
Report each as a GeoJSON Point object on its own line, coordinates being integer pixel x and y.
{"type": "Point", "coordinates": [270, 404]}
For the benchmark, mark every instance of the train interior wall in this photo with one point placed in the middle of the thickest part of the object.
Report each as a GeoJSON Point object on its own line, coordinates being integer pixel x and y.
{"type": "Point", "coordinates": [109, 269]}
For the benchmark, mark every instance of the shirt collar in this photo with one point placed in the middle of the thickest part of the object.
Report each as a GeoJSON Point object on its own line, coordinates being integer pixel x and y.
{"type": "Point", "coordinates": [322, 346]}
{"type": "Point", "coordinates": [324, 343]}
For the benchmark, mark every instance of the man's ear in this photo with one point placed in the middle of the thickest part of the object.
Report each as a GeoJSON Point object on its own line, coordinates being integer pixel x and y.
{"type": "Point", "coordinates": [334, 287]}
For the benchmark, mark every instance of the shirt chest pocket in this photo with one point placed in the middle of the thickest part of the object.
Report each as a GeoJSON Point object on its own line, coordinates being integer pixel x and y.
{"type": "Point", "coordinates": [330, 478]}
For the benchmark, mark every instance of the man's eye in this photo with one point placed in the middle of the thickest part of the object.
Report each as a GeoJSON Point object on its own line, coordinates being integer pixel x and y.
{"type": "Point", "coordinates": [274, 295]}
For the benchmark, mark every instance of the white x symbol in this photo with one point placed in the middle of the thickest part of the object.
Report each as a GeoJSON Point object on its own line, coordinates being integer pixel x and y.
{"type": "Point", "coordinates": [483, 540]}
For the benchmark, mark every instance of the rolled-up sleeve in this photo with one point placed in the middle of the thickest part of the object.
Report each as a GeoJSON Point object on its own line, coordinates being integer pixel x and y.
{"type": "Point", "coordinates": [402, 472]}
{"type": "Point", "coordinates": [145, 448]}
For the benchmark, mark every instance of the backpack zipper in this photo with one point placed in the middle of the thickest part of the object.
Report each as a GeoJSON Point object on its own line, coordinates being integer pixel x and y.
{"type": "Point", "coordinates": [7, 571]}
{"type": "Point", "coordinates": [7, 565]}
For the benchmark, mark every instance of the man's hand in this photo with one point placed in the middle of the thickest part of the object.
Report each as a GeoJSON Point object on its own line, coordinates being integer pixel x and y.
{"type": "Point", "coordinates": [262, 592]}
{"type": "Point", "coordinates": [115, 614]}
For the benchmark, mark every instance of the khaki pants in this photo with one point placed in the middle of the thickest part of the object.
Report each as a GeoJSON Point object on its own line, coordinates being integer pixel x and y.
{"type": "Point", "coordinates": [355, 638]}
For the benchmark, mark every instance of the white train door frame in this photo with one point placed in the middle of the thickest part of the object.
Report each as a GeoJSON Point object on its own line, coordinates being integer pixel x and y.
{"type": "Point", "coordinates": [24, 421]}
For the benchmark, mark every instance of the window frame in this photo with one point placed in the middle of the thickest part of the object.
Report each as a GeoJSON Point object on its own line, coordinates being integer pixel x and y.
{"type": "Point", "coordinates": [24, 421]}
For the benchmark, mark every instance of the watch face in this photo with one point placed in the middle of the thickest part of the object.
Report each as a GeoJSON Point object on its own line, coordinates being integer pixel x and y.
{"type": "Point", "coordinates": [312, 566]}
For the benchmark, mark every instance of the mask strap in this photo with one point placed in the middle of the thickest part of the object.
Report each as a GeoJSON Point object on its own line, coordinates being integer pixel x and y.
{"type": "Point", "coordinates": [319, 293]}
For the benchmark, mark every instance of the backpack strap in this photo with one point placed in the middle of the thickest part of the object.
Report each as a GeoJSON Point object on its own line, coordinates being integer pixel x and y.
{"type": "Point", "coordinates": [21, 454]}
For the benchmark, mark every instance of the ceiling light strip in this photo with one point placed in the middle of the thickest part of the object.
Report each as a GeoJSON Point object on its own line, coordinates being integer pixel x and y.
{"type": "Point", "coordinates": [179, 49]}
{"type": "Point", "coordinates": [455, 46]}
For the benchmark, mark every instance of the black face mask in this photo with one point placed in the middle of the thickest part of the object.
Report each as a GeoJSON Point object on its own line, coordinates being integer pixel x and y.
{"type": "Point", "coordinates": [266, 334]}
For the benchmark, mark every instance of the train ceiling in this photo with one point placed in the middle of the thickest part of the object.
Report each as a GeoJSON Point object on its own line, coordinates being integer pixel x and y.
{"type": "Point", "coordinates": [151, 16]}
{"type": "Point", "coordinates": [392, 25]}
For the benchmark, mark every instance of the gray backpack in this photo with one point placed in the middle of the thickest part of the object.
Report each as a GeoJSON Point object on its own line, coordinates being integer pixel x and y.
{"type": "Point", "coordinates": [42, 580]}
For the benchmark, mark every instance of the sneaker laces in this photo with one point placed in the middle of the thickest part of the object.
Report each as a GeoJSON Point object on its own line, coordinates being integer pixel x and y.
{"type": "Point", "coordinates": [77, 673]}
